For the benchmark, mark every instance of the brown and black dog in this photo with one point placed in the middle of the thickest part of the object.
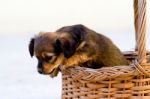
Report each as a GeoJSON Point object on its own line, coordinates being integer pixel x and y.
{"type": "Point", "coordinates": [74, 45]}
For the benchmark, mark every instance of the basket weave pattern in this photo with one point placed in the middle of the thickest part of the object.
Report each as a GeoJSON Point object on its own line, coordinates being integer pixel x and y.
{"type": "Point", "coordinates": [130, 87]}
{"type": "Point", "coordinates": [118, 82]}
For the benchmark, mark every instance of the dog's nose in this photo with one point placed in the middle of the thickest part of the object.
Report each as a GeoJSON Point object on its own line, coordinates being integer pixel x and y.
{"type": "Point", "coordinates": [40, 71]}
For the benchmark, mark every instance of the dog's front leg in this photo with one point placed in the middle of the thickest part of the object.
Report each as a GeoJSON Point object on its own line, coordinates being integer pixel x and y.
{"type": "Point", "coordinates": [76, 60]}
{"type": "Point", "coordinates": [60, 60]}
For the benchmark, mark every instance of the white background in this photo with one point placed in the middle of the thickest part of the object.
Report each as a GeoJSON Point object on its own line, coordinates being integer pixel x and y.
{"type": "Point", "coordinates": [21, 19]}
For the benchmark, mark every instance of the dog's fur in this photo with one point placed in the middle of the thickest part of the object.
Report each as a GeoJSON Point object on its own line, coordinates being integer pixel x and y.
{"type": "Point", "coordinates": [74, 46]}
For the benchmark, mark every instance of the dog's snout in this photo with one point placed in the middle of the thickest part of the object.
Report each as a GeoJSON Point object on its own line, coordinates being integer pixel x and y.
{"type": "Point", "coordinates": [39, 67]}
{"type": "Point", "coordinates": [40, 64]}
{"type": "Point", "coordinates": [40, 70]}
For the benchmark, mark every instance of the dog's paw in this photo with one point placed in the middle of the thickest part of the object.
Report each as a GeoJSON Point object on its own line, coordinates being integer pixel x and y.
{"type": "Point", "coordinates": [62, 67]}
{"type": "Point", "coordinates": [54, 73]}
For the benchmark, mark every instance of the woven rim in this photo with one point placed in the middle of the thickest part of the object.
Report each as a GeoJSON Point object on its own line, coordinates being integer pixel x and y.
{"type": "Point", "coordinates": [97, 75]}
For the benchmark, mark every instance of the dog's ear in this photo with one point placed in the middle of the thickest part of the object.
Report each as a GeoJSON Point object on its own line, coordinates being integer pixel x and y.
{"type": "Point", "coordinates": [69, 45]}
{"type": "Point", "coordinates": [57, 46]}
{"type": "Point", "coordinates": [78, 32]}
{"type": "Point", "coordinates": [65, 47]}
{"type": "Point", "coordinates": [31, 47]}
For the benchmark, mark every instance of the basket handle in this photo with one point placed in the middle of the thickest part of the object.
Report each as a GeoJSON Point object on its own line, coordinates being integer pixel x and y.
{"type": "Point", "coordinates": [140, 29]}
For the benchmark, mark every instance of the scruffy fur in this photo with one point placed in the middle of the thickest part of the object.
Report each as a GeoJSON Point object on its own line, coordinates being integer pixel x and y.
{"type": "Point", "coordinates": [76, 45]}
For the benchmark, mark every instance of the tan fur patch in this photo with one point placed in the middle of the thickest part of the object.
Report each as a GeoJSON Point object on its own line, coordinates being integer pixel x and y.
{"type": "Point", "coordinates": [77, 59]}
{"type": "Point", "coordinates": [48, 68]}
{"type": "Point", "coordinates": [81, 45]}
{"type": "Point", "coordinates": [60, 60]}
{"type": "Point", "coordinates": [65, 36]}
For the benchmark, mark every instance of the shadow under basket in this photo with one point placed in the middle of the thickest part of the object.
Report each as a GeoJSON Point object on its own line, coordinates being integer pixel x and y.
{"type": "Point", "coordinates": [117, 82]}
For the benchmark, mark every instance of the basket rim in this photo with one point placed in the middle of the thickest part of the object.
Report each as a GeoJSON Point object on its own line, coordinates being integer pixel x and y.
{"type": "Point", "coordinates": [112, 72]}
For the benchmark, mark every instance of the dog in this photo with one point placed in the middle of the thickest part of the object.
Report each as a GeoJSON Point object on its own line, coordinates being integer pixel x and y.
{"type": "Point", "coordinates": [72, 46]}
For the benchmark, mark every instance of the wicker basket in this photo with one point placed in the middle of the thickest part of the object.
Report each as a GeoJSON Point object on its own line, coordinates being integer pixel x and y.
{"type": "Point", "coordinates": [118, 82]}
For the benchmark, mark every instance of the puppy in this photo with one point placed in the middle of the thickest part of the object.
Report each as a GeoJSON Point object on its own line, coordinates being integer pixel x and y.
{"type": "Point", "coordinates": [74, 45]}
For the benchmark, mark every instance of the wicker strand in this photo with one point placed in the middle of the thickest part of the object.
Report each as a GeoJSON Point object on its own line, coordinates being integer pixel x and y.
{"type": "Point", "coordinates": [136, 14]}
{"type": "Point", "coordinates": [139, 68]}
{"type": "Point", "coordinates": [140, 29]}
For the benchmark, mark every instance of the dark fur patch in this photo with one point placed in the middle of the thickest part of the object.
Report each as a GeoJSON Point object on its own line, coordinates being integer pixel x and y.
{"type": "Point", "coordinates": [31, 47]}
{"type": "Point", "coordinates": [57, 46]}
{"type": "Point", "coordinates": [66, 47]}
{"type": "Point", "coordinates": [77, 33]}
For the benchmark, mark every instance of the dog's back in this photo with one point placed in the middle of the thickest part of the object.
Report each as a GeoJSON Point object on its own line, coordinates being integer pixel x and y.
{"type": "Point", "coordinates": [103, 51]}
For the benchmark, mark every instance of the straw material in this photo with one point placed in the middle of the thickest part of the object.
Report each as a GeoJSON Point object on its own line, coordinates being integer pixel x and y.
{"type": "Point", "coordinates": [130, 87]}
{"type": "Point", "coordinates": [118, 82]}
{"type": "Point", "coordinates": [140, 28]}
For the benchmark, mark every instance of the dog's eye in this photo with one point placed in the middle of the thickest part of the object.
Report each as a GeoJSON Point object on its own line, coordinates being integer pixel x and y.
{"type": "Point", "coordinates": [47, 58]}
{"type": "Point", "coordinates": [50, 54]}
{"type": "Point", "coordinates": [50, 57]}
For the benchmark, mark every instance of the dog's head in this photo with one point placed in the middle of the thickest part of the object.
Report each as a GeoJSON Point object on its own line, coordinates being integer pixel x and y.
{"type": "Point", "coordinates": [45, 49]}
